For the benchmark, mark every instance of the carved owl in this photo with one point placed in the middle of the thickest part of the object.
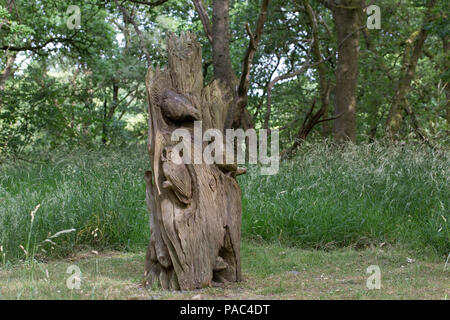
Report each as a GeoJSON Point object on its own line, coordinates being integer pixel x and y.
{"type": "Point", "coordinates": [178, 178]}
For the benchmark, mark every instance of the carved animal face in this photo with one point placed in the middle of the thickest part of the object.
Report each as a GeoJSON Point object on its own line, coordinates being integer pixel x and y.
{"type": "Point", "coordinates": [172, 154]}
{"type": "Point", "coordinates": [166, 154]}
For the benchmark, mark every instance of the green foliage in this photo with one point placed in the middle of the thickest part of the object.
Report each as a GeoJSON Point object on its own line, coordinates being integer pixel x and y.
{"type": "Point", "coordinates": [62, 90]}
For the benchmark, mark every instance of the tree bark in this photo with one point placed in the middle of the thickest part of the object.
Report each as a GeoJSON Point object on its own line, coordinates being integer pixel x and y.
{"type": "Point", "coordinates": [223, 69]}
{"type": "Point", "coordinates": [346, 18]}
{"type": "Point", "coordinates": [411, 56]}
{"type": "Point", "coordinates": [195, 209]}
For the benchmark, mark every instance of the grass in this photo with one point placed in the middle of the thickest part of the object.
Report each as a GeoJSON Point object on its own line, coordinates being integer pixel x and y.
{"type": "Point", "coordinates": [323, 199]}
{"type": "Point", "coordinates": [360, 196]}
{"type": "Point", "coordinates": [101, 195]}
{"type": "Point", "coordinates": [270, 272]}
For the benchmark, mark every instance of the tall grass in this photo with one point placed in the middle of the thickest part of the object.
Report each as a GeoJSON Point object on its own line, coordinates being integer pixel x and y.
{"type": "Point", "coordinates": [101, 195]}
{"type": "Point", "coordinates": [321, 199]}
{"type": "Point", "coordinates": [360, 196]}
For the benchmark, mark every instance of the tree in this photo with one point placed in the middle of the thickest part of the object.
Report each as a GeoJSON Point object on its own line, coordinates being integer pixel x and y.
{"type": "Point", "coordinates": [86, 86]}
{"type": "Point", "coordinates": [195, 209]}
{"type": "Point", "coordinates": [413, 50]}
{"type": "Point", "coordinates": [313, 118]}
{"type": "Point", "coordinates": [218, 34]}
{"type": "Point", "coordinates": [346, 15]}
{"type": "Point", "coordinates": [10, 56]}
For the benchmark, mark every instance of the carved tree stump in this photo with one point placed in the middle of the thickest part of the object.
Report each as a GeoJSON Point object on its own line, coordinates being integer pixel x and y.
{"type": "Point", "coordinates": [195, 209]}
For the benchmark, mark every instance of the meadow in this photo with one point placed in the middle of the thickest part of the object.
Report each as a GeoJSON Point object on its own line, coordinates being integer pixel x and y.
{"type": "Point", "coordinates": [358, 197]}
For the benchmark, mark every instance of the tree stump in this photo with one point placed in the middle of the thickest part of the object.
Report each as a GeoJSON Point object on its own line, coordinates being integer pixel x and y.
{"type": "Point", "coordinates": [195, 209]}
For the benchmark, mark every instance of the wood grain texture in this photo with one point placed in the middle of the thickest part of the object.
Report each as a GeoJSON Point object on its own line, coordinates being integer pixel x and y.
{"type": "Point", "coordinates": [195, 209]}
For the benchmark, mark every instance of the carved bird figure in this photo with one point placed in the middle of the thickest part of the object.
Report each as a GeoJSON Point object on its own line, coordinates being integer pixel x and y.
{"type": "Point", "coordinates": [178, 178]}
{"type": "Point", "coordinates": [177, 107]}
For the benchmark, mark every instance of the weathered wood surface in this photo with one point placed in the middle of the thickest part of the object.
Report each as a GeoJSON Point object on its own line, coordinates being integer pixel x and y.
{"type": "Point", "coordinates": [195, 209]}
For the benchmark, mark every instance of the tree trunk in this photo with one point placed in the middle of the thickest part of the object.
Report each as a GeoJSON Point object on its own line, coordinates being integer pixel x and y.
{"type": "Point", "coordinates": [411, 56]}
{"type": "Point", "coordinates": [195, 209]}
{"type": "Point", "coordinates": [218, 34]}
{"type": "Point", "coordinates": [221, 60]}
{"type": "Point", "coordinates": [413, 49]}
{"type": "Point", "coordinates": [346, 18]}
{"type": "Point", "coordinates": [223, 69]}
{"type": "Point", "coordinates": [10, 58]}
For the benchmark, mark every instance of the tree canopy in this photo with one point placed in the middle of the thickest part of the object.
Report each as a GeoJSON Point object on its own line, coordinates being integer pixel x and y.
{"type": "Point", "coordinates": [287, 64]}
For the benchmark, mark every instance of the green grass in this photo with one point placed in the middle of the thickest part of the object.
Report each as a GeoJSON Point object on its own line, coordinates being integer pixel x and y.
{"type": "Point", "coordinates": [362, 196]}
{"type": "Point", "coordinates": [269, 272]}
{"type": "Point", "coordinates": [357, 197]}
{"type": "Point", "coordinates": [101, 195]}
